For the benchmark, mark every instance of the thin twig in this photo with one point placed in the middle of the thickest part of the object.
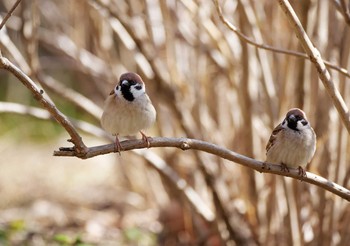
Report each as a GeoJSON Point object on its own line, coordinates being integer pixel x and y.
{"type": "Point", "coordinates": [316, 58]}
{"type": "Point", "coordinates": [345, 11]}
{"type": "Point", "coordinates": [194, 144]}
{"type": "Point", "coordinates": [234, 232]}
{"type": "Point", "coordinates": [48, 105]}
{"type": "Point", "coordinates": [9, 13]}
{"type": "Point", "coordinates": [272, 48]}
{"type": "Point", "coordinates": [181, 184]}
{"type": "Point", "coordinates": [340, 5]}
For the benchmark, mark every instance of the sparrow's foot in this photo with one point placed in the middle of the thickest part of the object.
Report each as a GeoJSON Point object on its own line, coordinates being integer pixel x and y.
{"type": "Point", "coordinates": [284, 168]}
{"type": "Point", "coordinates": [301, 171]}
{"type": "Point", "coordinates": [145, 139]}
{"type": "Point", "coordinates": [264, 166]}
{"type": "Point", "coordinates": [117, 145]}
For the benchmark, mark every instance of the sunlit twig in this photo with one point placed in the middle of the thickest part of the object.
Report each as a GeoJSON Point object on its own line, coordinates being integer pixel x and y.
{"type": "Point", "coordinates": [47, 104]}
{"type": "Point", "coordinates": [316, 58]}
{"type": "Point", "coordinates": [9, 13]}
{"type": "Point", "coordinates": [272, 48]}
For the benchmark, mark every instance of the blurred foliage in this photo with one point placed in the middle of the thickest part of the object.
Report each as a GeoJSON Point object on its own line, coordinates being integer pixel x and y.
{"type": "Point", "coordinates": [26, 128]}
{"type": "Point", "coordinates": [136, 236]}
{"type": "Point", "coordinates": [66, 240]}
{"type": "Point", "coordinates": [12, 229]}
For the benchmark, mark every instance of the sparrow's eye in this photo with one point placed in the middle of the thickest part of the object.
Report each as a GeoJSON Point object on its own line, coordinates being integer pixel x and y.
{"type": "Point", "coordinates": [132, 82]}
{"type": "Point", "coordinates": [284, 122]}
{"type": "Point", "coordinates": [138, 87]}
{"type": "Point", "coordinates": [304, 122]}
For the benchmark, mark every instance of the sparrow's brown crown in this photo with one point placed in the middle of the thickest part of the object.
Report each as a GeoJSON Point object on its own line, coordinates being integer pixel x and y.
{"type": "Point", "coordinates": [296, 112]}
{"type": "Point", "coordinates": [130, 76]}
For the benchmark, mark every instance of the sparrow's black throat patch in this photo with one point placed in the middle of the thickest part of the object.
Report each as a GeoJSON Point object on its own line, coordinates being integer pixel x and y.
{"type": "Point", "coordinates": [293, 122]}
{"type": "Point", "coordinates": [125, 89]}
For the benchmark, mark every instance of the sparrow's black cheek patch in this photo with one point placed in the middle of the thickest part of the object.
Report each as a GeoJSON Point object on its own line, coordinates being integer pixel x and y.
{"type": "Point", "coordinates": [304, 122]}
{"type": "Point", "coordinates": [138, 87]}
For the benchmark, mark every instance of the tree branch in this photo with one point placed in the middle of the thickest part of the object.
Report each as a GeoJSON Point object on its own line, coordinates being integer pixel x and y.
{"type": "Point", "coordinates": [340, 5]}
{"type": "Point", "coordinates": [186, 144]}
{"type": "Point", "coordinates": [316, 58]}
{"type": "Point", "coordinates": [9, 13]}
{"type": "Point", "coordinates": [271, 48]}
{"type": "Point", "coordinates": [47, 104]}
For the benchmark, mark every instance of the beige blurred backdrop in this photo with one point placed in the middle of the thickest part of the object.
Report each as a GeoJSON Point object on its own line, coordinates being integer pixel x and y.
{"type": "Point", "coordinates": [205, 83]}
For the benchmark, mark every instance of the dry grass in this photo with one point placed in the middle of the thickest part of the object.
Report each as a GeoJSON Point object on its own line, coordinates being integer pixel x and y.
{"type": "Point", "coordinates": [207, 84]}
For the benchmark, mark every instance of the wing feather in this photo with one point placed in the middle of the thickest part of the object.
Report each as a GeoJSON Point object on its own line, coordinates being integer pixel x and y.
{"type": "Point", "coordinates": [273, 137]}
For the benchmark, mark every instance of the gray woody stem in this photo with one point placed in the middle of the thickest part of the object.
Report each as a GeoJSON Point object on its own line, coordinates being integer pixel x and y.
{"type": "Point", "coordinates": [316, 58]}
{"type": "Point", "coordinates": [194, 144]}
{"type": "Point", "coordinates": [48, 105]}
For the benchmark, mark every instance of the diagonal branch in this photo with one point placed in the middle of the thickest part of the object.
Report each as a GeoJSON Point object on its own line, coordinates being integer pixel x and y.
{"type": "Point", "coordinates": [9, 13]}
{"type": "Point", "coordinates": [272, 48]}
{"type": "Point", "coordinates": [47, 104]}
{"type": "Point", "coordinates": [340, 5]}
{"type": "Point", "coordinates": [194, 144]}
{"type": "Point", "coordinates": [316, 58]}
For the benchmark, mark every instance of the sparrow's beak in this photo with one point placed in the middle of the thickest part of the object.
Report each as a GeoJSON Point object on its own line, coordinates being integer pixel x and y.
{"type": "Point", "coordinates": [292, 122]}
{"type": "Point", "coordinates": [112, 92]}
{"type": "Point", "coordinates": [292, 119]}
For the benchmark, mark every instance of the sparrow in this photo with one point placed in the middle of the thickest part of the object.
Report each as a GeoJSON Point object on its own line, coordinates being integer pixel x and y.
{"type": "Point", "coordinates": [128, 109]}
{"type": "Point", "coordinates": [292, 143]}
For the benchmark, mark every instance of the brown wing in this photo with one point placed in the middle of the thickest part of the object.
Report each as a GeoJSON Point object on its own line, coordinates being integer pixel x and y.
{"type": "Point", "coordinates": [273, 137]}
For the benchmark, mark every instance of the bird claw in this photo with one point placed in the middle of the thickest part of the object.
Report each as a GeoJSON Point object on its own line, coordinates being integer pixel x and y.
{"type": "Point", "coordinates": [117, 146]}
{"type": "Point", "coordinates": [264, 166]}
{"type": "Point", "coordinates": [146, 139]}
{"type": "Point", "coordinates": [284, 168]}
{"type": "Point", "coordinates": [301, 172]}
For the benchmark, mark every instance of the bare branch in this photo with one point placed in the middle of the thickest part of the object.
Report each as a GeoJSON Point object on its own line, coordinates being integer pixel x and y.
{"type": "Point", "coordinates": [340, 5]}
{"type": "Point", "coordinates": [316, 58]}
{"type": "Point", "coordinates": [48, 105]}
{"type": "Point", "coordinates": [345, 11]}
{"type": "Point", "coordinates": [181, 184]}
{"type": "Point", "coordinates": [9, 13]}
{"type": "Point", "coordinates": [271, 48]}
{"type": "Point", "coordinates": [186, 144]}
